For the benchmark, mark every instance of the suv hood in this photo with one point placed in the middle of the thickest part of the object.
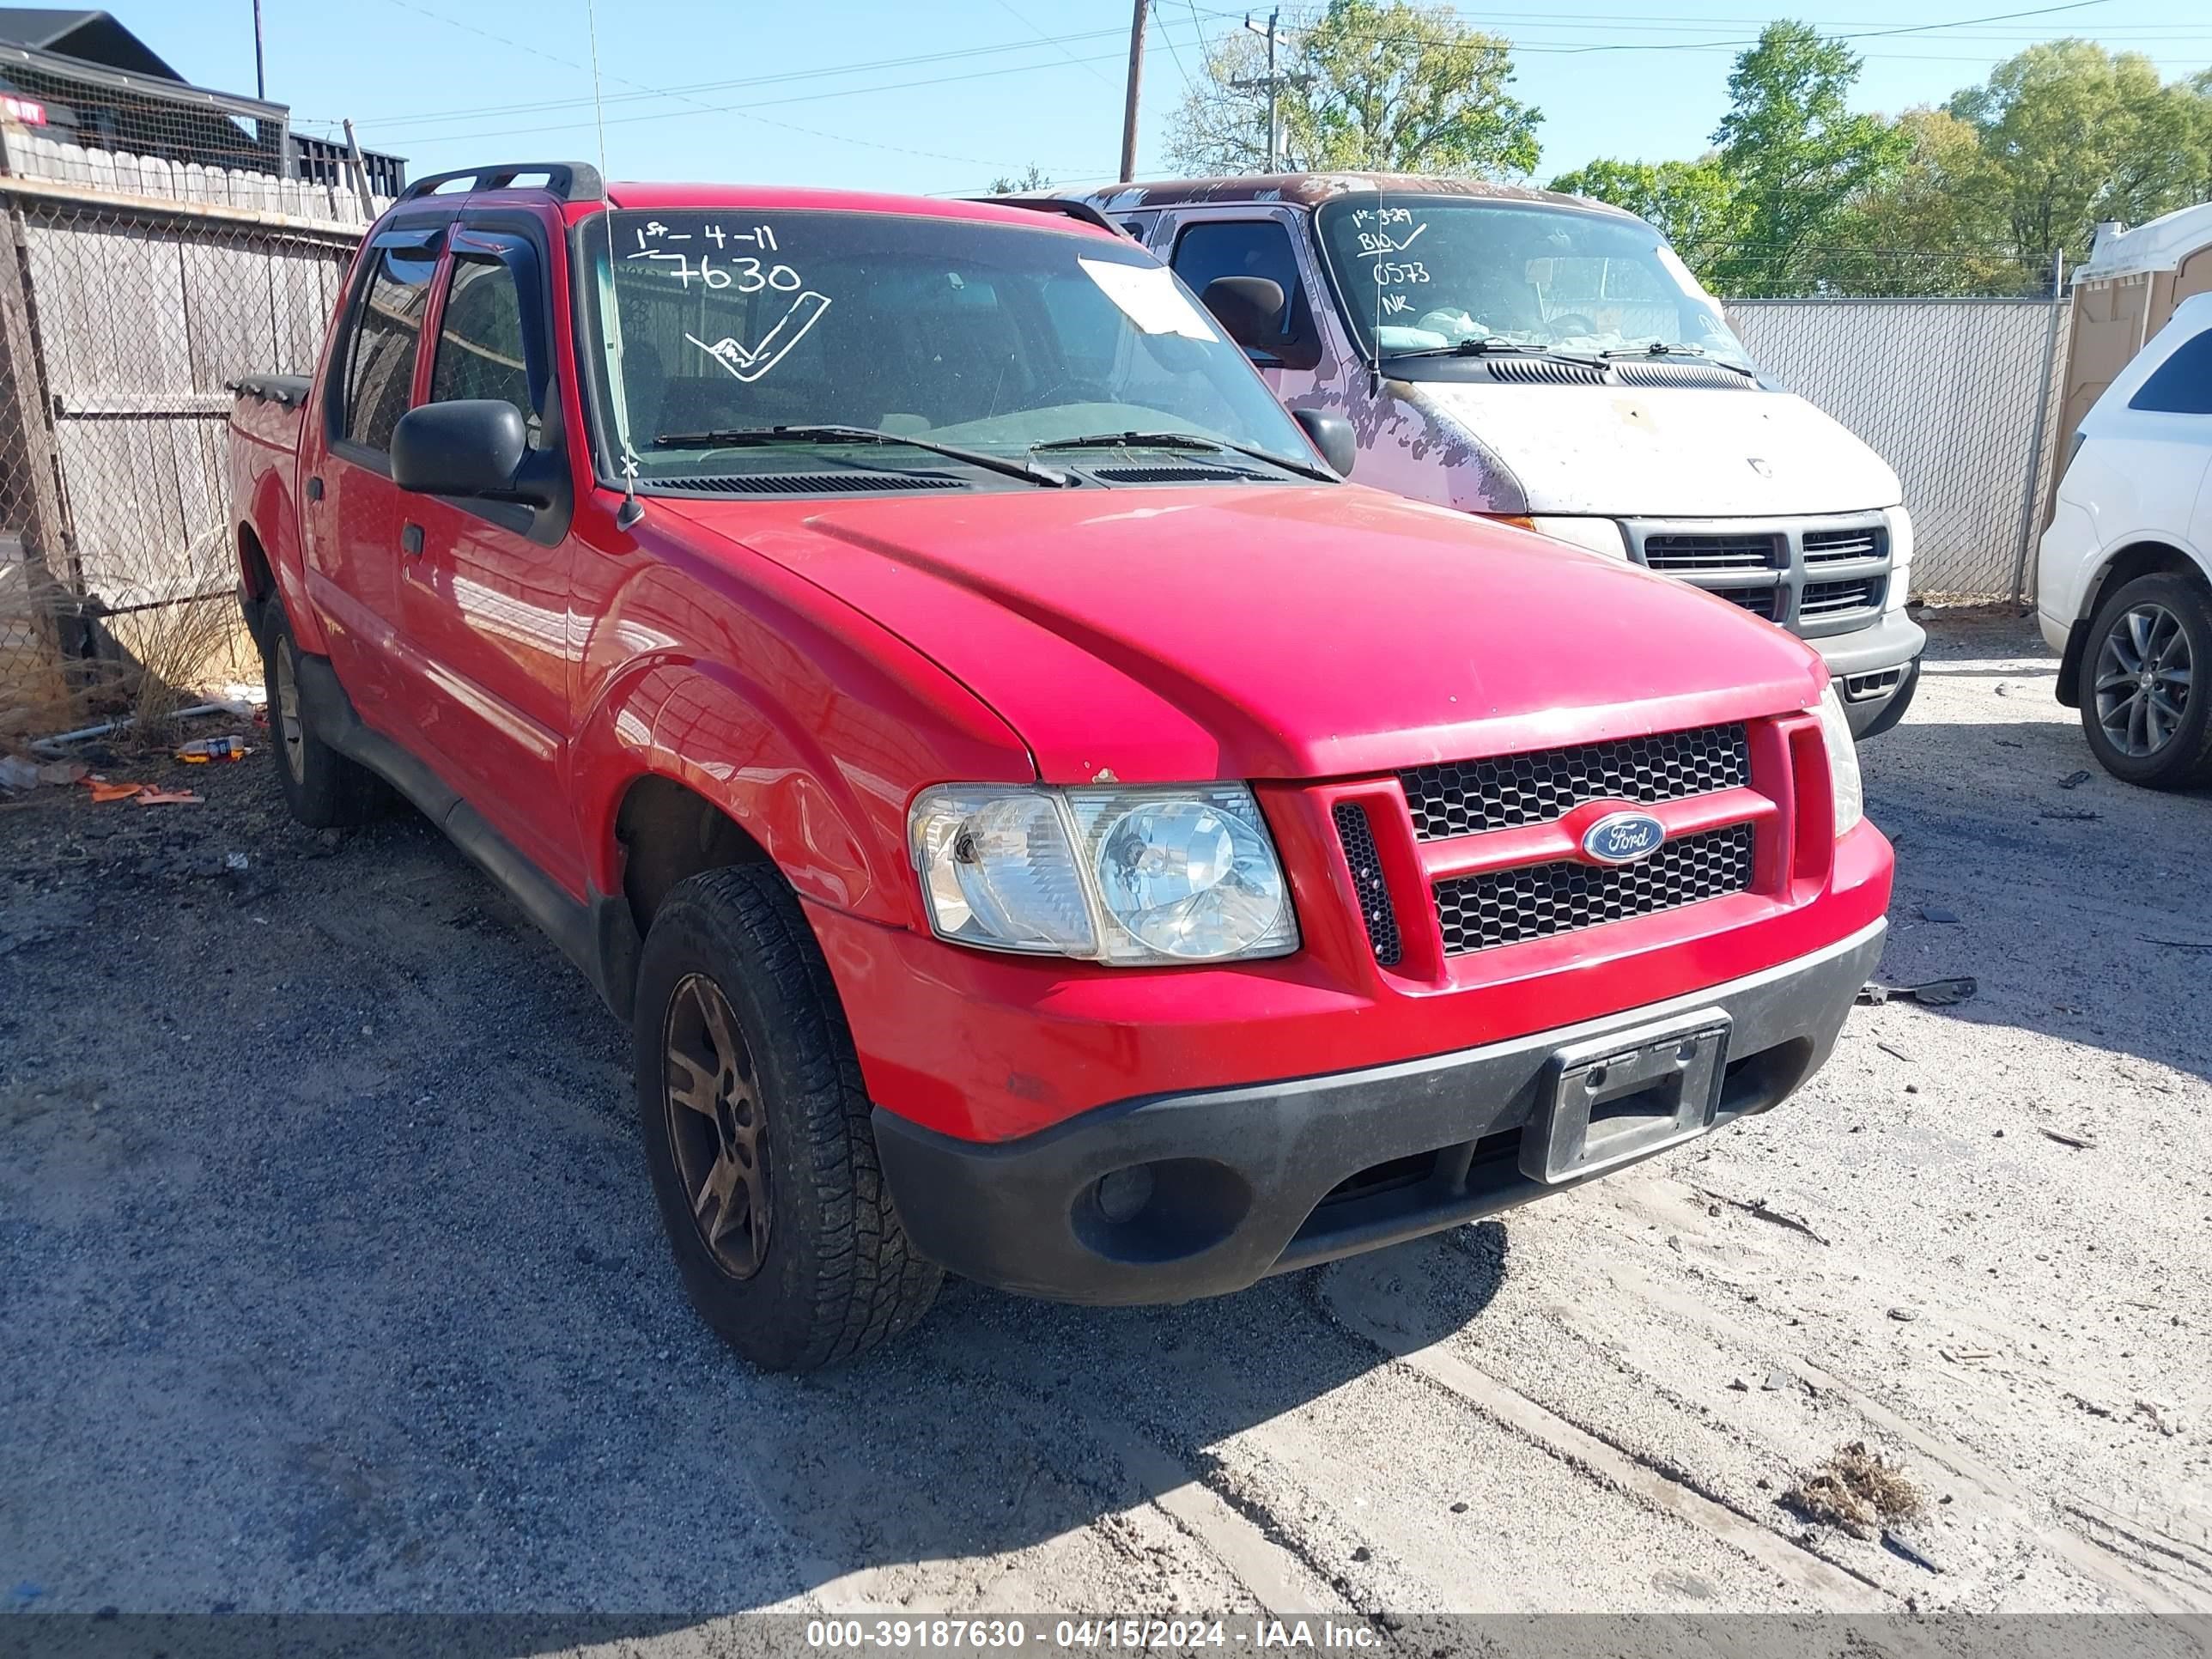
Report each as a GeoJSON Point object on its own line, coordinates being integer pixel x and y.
{"type": "Point", "coordinates": [1273, 631]}
{"type": "Point", "coordinates": [1662, 451]}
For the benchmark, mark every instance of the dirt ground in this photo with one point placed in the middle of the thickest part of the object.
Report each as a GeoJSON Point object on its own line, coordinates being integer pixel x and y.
{"type": "Point", "coordinates": [330, 1278]}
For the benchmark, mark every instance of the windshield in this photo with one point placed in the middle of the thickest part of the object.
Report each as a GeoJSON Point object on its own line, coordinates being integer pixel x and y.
{"type": "Point", "coordinates": [1416, 273]}
{"type": "Point", "coordinates": [990, 338]}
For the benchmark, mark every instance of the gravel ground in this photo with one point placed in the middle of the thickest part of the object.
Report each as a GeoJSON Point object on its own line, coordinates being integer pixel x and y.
{"type": "Point", "coordinates": [332, 1281]}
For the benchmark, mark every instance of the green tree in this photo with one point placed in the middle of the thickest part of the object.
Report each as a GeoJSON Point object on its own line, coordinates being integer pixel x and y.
{"type": "Point", "coordinates": [2075, 134]}
{"type": "Point", "coordinates": [1930, 226]}
{"type": "Point", "coordinates": [1797, 153]}
{"type": "Point", "coordinates": [1695, 204]}
{"type": "Point", "coordinates": [1031, 179]}
{"type": "Point", "coordinates": [1391, 87]}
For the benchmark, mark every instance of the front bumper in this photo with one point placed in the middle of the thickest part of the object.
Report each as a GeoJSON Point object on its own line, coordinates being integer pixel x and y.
{"type": "Point", "coordinates": [1245, 1181]}
{"type": "Point", "coordinates": [1876, 669]}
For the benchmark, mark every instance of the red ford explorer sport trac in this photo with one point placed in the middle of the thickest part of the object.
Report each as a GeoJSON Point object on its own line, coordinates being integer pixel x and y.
{"type": "Point", "coordinates": [1041, 821]}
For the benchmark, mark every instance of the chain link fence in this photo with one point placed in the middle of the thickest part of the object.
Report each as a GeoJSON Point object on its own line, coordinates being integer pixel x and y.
{"type": "Point", "coordinates": [132, 289]}
{"type": "Point", "coordinates": [1959, 395]}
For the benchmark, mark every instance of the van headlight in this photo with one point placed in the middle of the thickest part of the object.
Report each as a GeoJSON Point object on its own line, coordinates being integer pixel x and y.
{"type": "Point", "coordinates": [1132, 876]}
{"type": "Point", "coordinates": [1843, 760]}
{"type": "Point", "coordinates": [1900, 557]}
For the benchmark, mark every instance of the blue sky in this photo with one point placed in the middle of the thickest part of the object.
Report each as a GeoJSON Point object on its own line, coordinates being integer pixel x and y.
{"type": "Point", "coordinates": [940, 96]}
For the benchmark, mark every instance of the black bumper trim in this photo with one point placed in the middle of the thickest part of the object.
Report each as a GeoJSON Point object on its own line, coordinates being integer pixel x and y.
{"type": "Point", "coordinates": [1245, 1181]}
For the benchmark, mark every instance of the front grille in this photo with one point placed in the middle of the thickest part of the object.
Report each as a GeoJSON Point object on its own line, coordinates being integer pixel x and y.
{"type": "Point", "coordinates": [1374, 908]}
{"type": "Point", "coordinates": [1834, 546]}
{"type": "Point", "coordinates": [1832, 598]}
{"type": "Point", "coordinates": [1759, 601]}
{"type": "Point", "coordinates": [1539, 901]}
{"type": "Point", "coordinates": [1699, 552]}
{"type": "Point", "coordinates": [1462, 798]}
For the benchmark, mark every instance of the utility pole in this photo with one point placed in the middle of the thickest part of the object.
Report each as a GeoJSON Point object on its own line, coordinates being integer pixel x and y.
{"type": "Point", "coordinates": [1129, 107]}
{"type": "Point", "coordinates": [1274, 82]}
{"type": "Point", "coordinates": [260, 84]}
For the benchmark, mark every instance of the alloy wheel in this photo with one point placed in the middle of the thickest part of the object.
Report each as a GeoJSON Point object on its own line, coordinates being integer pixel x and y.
{"type": "Point", "coordinates": [714, 1122]}
{"type": "Point", "coordinates": [292, 734]}
{"type": "Point", "coordinates": [2144, 680]}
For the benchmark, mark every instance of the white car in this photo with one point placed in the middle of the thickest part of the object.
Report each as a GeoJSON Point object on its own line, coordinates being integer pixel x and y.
{"type": "Point", "coordinates": [2125, 588]}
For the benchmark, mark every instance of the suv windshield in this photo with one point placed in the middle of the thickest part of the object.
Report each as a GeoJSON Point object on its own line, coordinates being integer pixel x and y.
{"type": "Point", "coordinates": [1416, 273]}
{"type": "Point", "coordinates": [986, 338]}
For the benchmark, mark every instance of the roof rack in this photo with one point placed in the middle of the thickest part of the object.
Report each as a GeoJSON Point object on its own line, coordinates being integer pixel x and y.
{"type": "Point", "coordinates": [1083, 212]}
{"type": "Point", "coordinates": [566, 181]}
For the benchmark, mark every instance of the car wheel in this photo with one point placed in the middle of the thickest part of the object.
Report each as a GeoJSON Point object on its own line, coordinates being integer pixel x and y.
{"type": "Point", "coordinates": [756, 1131]}
{"type": "Point", "coordinates": [2148, 719]}
{"type": "Point", "coordinates": [323, 789]}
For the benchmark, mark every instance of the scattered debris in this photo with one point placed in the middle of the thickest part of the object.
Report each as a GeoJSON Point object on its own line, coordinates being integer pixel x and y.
{"type": "Point", "coordinates": [103, 791]}
{"type": "Point", "coordinates": [2177, 944]}
{"type": "Point", "coordinates": [2160, 1414]}
{"type": "Point", "coordinates": [2074, 782]}
{"type": "Point", "coordinates": [1967, 1356]}
{"type": "Point", "coordinates": [1853, 1490]}
{"type": "Point", "coordinates": [2078, 1142]}
{"type": "Point", "coordinates": [1757, 1206]}
{"type": "Point", "coordinates": [201, 751]}
{"type": "Point", "coordinates": [1894, 1052]}
{"type": "Point", "coordinates": [235, 861]}
{"type": "Point", "coordinates": [2057, 817]}
{"type": "Point", "coordinates": [1740, 1386]}
{"type": "Point", "coordinates": [1459, 1509]}
{"type": "Point", "coordinates": [61, 771]}
{"type": "Point", "coordinates": [2090, 1405]}
{"type": "Point", "coordinates": [151, 795]}
{"type": "Point", "coordinates": [2009, 743]}
{"type": "Point", "coordinates": [1929, 993]}
{"type": "Point", "coordinates": [1904, 1316]}
{"type": "Point", "coordinates": [1904, 1552]}
{"type": "Point", "coordinates": [1777, 1381]}
{"type": "Point", "coordinates": [18, 773]}
{"type": "Point", "coordinates": [1938, 913]}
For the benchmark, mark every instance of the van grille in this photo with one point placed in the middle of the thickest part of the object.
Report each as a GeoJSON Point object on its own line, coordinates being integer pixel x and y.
{"type": "Point", "coordinates": [1759, 601]}
{"type": "Point", "coordinates": [1832, 598]}
{"type": "Point", "coordinates": [1834, 546]}
{"type": "Point", "coordinates": [1462, 798]}
{"type": "Point", "coordinates": [1541, 901]}
{"type": "Point", "coordinates": [1719, 552]}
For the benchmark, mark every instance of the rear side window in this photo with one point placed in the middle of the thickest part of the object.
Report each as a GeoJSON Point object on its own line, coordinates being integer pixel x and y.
{"type": "Point", "coordinates": [380, 364]}
{"type": "Point", "coordinates": [1246, 247]}
{"type": "Point", "coordinates": [480, 346]}
{"type": "Point", "coordinates": [2182, 385]}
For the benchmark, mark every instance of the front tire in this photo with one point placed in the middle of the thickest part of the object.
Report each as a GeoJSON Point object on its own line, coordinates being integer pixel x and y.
{"type": "Point", "coordinates": [2148, 719]}
{"type": "Point", "coordinates": [322, 788]}
{"type": "Point", "coordinates": [756, 1132]}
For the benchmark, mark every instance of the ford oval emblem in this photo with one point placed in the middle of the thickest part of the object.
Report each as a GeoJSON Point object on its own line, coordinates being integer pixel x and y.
{"type": "Point", "coordinates": [1623, 838]}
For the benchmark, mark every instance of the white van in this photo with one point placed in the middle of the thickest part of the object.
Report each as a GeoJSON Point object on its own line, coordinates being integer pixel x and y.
{"type": "Point", "coordinates": [1547, 359]}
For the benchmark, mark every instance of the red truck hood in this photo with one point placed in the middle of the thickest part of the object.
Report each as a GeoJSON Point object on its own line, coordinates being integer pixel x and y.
{"type": "Point", "coordinates": [1275, 631]}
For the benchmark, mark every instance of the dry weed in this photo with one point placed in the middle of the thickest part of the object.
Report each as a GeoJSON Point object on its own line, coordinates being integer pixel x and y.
{"type": "Point", "coordinates": [1854, 1490]}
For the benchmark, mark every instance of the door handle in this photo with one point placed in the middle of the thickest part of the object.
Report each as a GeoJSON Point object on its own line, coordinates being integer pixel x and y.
{"type": "Point", "coordinates": [410, 540]}
{"type": "Point", "coordinates": [314, 488]}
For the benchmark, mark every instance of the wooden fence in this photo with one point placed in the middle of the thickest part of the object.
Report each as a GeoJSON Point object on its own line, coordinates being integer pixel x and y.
{"type": "Point", "coordinates": [132, 290]}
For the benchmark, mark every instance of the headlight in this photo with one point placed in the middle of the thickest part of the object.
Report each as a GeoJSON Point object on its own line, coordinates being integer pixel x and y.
{"type": "Point", "coordinates": [1593, 535]}
{"type": "Point", "coordinates": [1900, 557]}
{"type": "Point", "coordinates": [1843, 761]}
{"type": "Point", "coordinates": [1127, 876]}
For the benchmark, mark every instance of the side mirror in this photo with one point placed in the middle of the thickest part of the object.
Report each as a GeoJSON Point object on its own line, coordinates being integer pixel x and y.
{"type": "Point", "coordinates": [471, 447]}
{"type": "Point", "coordinates": [1333, 435]}
{"type": "Point", "coordinates": [1250, 307]}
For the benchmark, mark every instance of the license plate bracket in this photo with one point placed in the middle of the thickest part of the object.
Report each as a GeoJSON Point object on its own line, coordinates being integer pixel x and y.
{"type": "Point", "coordinates": [1623, 1097]}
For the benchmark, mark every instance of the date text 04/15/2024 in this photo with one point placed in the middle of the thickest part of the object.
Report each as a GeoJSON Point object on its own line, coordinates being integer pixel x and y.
{"type": "Point", "coordinates": [1090, 1634]}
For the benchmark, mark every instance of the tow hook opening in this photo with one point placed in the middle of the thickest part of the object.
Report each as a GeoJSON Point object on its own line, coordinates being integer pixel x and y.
{"type": "Point", "coordinates": [1859, 688]}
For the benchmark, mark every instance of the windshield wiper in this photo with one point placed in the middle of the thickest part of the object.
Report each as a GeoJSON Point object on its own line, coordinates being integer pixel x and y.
{"type": "Point", "coordinates": [1482, 346]}
{"type": "Point", "coordinates": [731, 437]}
{"type": "Point", "coordinates": [1183, 440]}
{"type": "Point", "coordinates": [1677, 349]}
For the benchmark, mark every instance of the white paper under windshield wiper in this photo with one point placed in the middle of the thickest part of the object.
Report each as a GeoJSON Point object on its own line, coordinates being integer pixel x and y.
{"type": "Point", "coordinates": [1483, 345]}
{"type": "Point", "coordinates": [1182, 441]}
{"type": "Point", "coordinates": [731, 437]}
